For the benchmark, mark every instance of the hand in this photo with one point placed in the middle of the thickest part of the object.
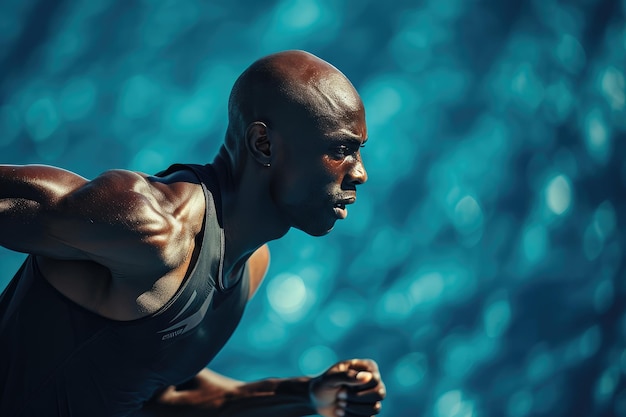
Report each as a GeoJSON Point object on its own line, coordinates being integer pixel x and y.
{"type": "Point", "coordinates": [348, 388]}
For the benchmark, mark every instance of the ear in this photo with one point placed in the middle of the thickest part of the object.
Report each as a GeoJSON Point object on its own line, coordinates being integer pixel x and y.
{"type": "Point", "coordinates": [258, 143]}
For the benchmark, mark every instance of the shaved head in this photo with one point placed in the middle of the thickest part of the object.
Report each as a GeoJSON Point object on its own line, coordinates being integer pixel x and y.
{"type": "Point", "coordinates": [286, 88]}
{"type": "Point", "coordinates": [296, 126]}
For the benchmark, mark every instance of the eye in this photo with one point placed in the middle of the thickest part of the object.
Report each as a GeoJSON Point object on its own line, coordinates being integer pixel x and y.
{"type": "Point", "coordinates": [342, 150]}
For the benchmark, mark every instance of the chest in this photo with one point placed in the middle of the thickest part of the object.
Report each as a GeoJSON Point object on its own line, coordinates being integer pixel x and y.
{"type": "Point", "coordinates": [137, 358]}
{"type": "Point", "coordinates": [177, 343]}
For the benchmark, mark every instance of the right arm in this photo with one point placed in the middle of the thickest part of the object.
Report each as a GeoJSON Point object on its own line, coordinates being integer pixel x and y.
{"type": "Point", "coordinates": [117, 220]}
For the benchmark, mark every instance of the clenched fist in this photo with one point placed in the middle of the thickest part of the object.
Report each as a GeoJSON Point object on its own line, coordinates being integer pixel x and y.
{"type": "Point", "coordinates": [348, 388]}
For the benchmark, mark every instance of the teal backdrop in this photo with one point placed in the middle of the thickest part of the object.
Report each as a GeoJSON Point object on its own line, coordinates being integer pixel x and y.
{"type": "Point", "coordinates": [483, 266]}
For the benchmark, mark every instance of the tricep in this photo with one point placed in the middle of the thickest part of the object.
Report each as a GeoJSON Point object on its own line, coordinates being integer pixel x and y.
{"type": "Point", "coordinates": [118, 219]}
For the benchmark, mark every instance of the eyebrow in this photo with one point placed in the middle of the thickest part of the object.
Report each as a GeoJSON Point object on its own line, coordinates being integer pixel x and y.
{"type": "Point", "coordinates": [349, 138]}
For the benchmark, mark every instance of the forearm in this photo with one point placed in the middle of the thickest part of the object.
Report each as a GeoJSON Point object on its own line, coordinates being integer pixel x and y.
{"type": "Point", "coordinates": [211, 394]}
{"type": "Point", "coordinates": [271, 397]}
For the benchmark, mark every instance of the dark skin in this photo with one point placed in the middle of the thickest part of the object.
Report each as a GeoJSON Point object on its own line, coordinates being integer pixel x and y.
{"type": "Point", "coordinates": [121, 244]}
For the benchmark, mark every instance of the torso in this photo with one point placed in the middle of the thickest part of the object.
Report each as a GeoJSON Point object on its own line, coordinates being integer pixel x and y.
{"type": "Point", "coordinates": [65, 357]}
{"type": "Point", "coordinates": [91, 286]}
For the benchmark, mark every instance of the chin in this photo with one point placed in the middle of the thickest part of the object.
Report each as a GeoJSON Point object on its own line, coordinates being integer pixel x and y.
{"type": "Point", "coordinates": [319, 234]}
{"type": "Point", "coordinates": [317, 231]}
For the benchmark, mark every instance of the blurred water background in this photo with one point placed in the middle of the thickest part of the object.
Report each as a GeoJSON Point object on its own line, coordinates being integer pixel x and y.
{"type": "Point", "coordinates": [483, 264]}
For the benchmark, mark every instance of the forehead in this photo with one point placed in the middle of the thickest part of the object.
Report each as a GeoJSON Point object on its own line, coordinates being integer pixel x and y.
{"type": "Point", "coordinates": [333, 104]}
{"type": "Point", "coordinates": [333, 94]}
{"type": "Point", "coordinates": [350, 125]}
{"type": "Point", "coordinates": [313, 98]}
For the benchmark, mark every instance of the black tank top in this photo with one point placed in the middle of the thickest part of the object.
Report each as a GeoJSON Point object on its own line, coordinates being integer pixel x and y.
{"type": "Point", "coordinates": [59, 359]}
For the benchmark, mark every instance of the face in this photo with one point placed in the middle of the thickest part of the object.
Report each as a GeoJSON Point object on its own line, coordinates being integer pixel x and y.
{"type": "Point", "coordinates": [318, 168]}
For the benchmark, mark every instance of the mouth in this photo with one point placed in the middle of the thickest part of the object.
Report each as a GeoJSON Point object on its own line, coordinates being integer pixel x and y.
{"type": "Point", "coordinates": [340, 207]}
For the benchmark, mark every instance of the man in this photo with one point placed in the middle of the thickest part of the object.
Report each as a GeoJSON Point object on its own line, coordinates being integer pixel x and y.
{"type": "Point", "coordinates": [134, 282]}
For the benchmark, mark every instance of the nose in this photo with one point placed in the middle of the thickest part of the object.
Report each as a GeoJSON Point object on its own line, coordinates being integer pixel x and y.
{"type": "Point", "coordinates": [357, 174]}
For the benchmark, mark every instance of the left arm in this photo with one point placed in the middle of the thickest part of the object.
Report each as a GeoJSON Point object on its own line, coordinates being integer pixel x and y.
{"type": "Point", "coordinates": [211, 394]}
{"type": "Point", "coordinates": [350, 388]}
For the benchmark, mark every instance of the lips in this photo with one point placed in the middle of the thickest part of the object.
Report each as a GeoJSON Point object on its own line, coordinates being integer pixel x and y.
{"type": "Point", "coordinates": [340, 211]}
{"type": "Point", "coordinates": [340, 207]}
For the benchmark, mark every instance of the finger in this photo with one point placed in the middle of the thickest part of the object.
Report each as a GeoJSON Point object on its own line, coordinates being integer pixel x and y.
{"type": "Point", "coordinates": [367, 365]}
{"type": "Point", "coordinates": [350, 377]}
{"type": "Point", "coordinates": [362, 409]}
{"type": "Point", "coordinates": [373, 384]}
{"type": "Point", "coordinates": [364, 365]}
{"type": "Point", "coordinates": [370, 395]}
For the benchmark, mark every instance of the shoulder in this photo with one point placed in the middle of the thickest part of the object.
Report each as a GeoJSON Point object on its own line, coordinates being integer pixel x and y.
{"type": "Point", "coordinates": [135, 219]}
{"type": "Point", "coordinates": [258, 264]}
{"type": "Point", "coordinates": [133, 193]}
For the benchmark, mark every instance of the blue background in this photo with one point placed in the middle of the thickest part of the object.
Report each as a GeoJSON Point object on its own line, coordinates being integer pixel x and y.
{"type": "Point", "coordinates": [483, 264]}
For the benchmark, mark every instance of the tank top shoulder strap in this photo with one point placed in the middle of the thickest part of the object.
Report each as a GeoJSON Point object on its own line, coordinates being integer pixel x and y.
{"type": "Point", "coordinates": [208, 178]}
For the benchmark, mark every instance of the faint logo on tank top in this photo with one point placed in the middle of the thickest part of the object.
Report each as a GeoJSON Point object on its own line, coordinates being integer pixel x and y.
{"type": "Point", "coordinates": [189, 323]}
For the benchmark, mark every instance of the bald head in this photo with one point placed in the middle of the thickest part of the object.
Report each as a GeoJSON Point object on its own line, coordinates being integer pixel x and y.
{"type": "Point", "coordinates": [288, 87]}
{"type": "Point", "coordinates": [293, 145]}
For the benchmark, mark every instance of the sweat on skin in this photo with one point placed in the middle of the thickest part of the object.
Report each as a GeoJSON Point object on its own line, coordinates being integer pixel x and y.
{"type": "Point", "coordinates": [123, 249]}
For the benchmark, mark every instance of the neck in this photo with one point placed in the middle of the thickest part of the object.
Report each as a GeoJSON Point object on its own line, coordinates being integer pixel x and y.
{"type": "Point", "coordinates": [248, 214]}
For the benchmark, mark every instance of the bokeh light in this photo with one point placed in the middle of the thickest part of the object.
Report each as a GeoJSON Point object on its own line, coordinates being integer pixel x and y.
{"type": "Point", "coordinates": [482, 266]}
